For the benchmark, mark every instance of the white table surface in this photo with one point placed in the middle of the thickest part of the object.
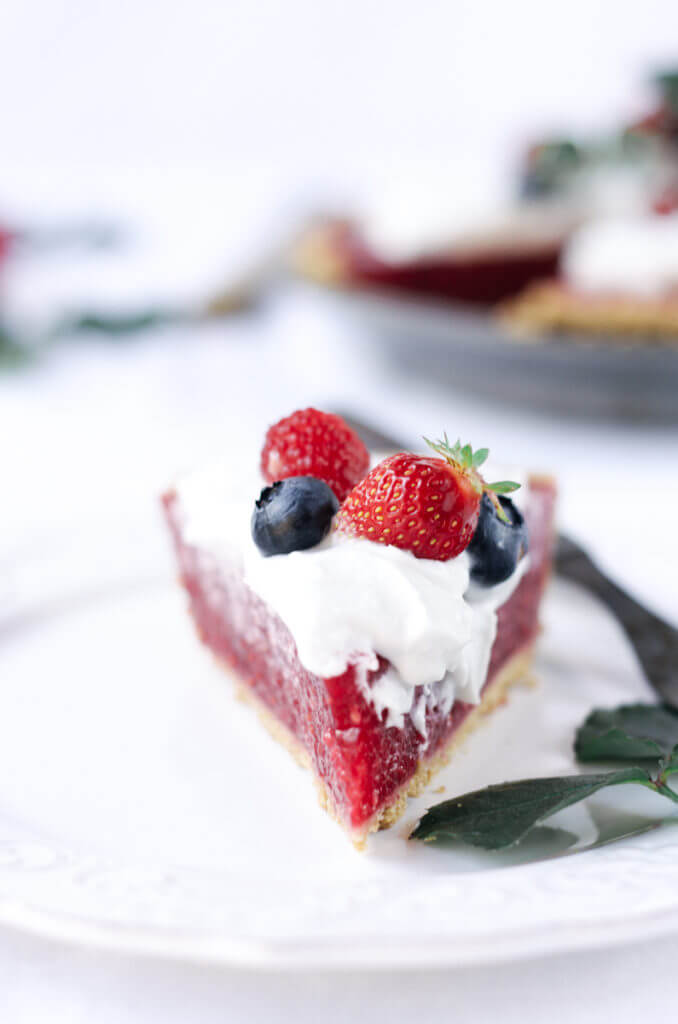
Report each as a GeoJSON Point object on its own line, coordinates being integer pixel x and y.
{"type": "Point", "coordinates": [89, 437]}
{"type": "Point", "coordinates": [43, 981]}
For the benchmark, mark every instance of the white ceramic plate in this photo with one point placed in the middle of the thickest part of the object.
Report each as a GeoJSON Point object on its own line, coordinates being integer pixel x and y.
{"type": "Point", "coordinates": [143, 808]}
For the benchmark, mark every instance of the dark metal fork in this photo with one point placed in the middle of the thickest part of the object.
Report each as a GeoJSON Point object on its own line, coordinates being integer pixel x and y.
{"type": "Point", "coordinates": [653, 639]}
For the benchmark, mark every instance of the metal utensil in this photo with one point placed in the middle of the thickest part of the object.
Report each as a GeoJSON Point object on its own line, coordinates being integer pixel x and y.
{"type": "Point", "coordinates": [653, 639]}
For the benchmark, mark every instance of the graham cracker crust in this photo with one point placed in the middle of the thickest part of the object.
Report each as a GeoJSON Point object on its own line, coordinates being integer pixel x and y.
{"type": "Point", "coordinates": [516, 670]}
{"type": "Point", "coordinates": [549, 307]}
{"type": "Point", "coordinates": [316, 256]}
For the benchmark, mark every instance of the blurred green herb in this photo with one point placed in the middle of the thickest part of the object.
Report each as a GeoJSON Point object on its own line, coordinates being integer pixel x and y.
{"type": "Point", "coordinates": [13, 354]}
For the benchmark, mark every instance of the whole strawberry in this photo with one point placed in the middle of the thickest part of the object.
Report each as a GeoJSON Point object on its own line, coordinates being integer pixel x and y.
{"type": "Point", "coordinates": [314, 443]}
{"type": "Point", "coordinates": [425, 505]}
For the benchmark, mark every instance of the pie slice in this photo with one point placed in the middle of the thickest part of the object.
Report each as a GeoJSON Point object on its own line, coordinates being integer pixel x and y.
{"type": "Point", "coordinates": [359, 712]}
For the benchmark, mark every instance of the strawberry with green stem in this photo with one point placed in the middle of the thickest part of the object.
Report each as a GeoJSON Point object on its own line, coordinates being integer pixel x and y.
{"type": "Point", "coordinates": [426, 505]}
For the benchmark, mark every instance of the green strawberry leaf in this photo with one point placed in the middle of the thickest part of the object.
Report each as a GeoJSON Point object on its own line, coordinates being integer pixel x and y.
{"type": "Point", "coordinates": [503, 487]}
{"type": "Point", "coordinates": [464, 456]}
{"type": "Point", "coordinates": [633, 732]}
{"type": "Point", "coordinates": [500, 816]}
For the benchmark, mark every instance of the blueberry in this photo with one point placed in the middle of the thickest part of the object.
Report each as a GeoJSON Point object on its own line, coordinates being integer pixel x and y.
{"type": "Point", "coordinates": [496, 547]}
{"type": "Point", "coordinates": [292, 515]}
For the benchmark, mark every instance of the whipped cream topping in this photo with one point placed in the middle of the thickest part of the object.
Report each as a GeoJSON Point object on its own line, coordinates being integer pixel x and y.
{"type": "Point", "coordinates": [430, 214]}
{"type": "Point", "coordinates": [408, 231]}
{"type": "Point", "coordinates": [630, 255]}
{"type": "Point", "coordinates": [350, 599]}
{"type": "Point", "coordinates": [468, 210]}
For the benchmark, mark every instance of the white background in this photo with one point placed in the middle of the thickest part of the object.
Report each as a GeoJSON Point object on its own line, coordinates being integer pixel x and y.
{"type": "Point", "coordinates": [315, 90]}
{"type": "Point", "coordinates": [275, 103]}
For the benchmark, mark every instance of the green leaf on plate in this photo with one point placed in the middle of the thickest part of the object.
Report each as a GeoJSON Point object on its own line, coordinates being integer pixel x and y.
{"type": "Point", "coordinates": [671, 764]}
{"type": "Point", "coordinates": [632, 732]}
{"type": "Point", "coordinates": [499, 816]}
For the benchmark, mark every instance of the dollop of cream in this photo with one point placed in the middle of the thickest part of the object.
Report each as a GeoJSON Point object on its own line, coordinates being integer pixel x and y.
{"type": "Point", "coordinates": [349, 599]}
{"type": "Point", "coordinates": [627, 255]}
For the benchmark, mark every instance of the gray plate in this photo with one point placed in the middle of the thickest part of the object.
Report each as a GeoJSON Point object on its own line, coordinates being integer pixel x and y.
{"type": "Point", "coordinates": [472, 351]}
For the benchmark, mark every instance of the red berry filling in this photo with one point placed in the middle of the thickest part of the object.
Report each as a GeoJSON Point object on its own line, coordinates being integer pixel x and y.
{"type": "Point", "coordinates": [479, 278]}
